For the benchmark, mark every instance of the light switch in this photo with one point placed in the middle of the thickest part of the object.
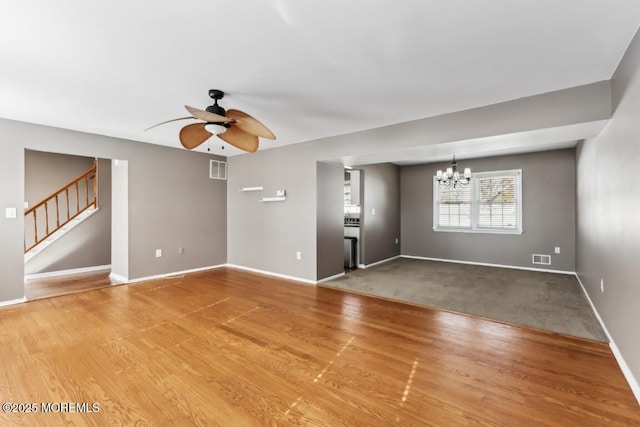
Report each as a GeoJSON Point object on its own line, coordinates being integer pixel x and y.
{"type": "Point", "coordinates": [11, 213]}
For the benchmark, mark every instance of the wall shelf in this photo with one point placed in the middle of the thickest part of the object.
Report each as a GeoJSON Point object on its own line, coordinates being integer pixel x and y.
{"type": "Point", "coordinates": [245, 189]}
{"type": "Point", "coordinates": [273, 199]}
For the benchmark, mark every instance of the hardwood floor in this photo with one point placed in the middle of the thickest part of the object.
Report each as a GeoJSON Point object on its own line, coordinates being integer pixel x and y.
{"type": "Point", "coordinates": [66, 284]}
{"type": "Point", "coordinates": [228, 347]}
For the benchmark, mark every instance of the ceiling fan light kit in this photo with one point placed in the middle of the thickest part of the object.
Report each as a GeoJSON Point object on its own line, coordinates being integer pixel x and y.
{"type": "Point", "coordinates": [235, 127]}
{"type": "Point", "coordinates": [215, 128]}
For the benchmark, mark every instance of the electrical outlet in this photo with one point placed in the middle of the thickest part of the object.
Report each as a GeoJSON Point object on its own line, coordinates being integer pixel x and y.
{"type": "Point", "coordinates": [557, 249]}
{"type": "Point", "coordinates": [396, 240]}
{"type": "Point", "coordinates": [601, 285]}
{"type": "Point", "coordinates": [158, 253]}
{"type": "Point", "coordinates": [181, 250]}
{"type": "Point", "coordinates": [373, 211]}
{"type": "Point", "coordinates": [298, 255]}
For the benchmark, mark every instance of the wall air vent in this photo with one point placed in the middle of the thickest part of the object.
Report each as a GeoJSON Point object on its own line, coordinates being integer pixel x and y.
{"type": "Point", "coordinates": [541, 259]}
{"type": "Point", "coordinates": [217, 169]}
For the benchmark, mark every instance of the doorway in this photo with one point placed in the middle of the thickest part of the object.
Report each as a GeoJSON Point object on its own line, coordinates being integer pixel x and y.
{"type": "Point", "coordinates": [82, 259]}
{"type": "Point", "coordinates": [353, 224]}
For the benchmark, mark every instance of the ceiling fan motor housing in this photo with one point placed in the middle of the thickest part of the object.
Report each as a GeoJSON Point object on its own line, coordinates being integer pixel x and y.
{"type": "Point", "coordinates": [216, 94]}
{"type": "Point", "coordinates": [216, 109]}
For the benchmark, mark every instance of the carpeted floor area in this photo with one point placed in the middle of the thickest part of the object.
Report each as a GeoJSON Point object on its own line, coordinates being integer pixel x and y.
{"type": "Point", "coordinates": [549, 301]}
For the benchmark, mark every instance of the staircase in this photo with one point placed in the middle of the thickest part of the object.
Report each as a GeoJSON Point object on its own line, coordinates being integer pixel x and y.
{"type": "Point", "coordinates": [61, 211]}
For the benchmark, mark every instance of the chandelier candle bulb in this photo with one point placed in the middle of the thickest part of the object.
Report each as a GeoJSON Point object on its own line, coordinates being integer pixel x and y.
{"type": "Point", "coordinates": [451, 178]}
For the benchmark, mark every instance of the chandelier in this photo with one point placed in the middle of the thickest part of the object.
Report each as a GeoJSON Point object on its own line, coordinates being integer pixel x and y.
{"type": "Point", "coordinates": [451, 178]}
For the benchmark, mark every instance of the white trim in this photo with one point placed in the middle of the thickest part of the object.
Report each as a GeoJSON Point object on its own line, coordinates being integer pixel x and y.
{"type": "Point", "coordinates": [270, 273]}
{"type": "Point", "coordinates": [165, 275]}
{"type": "Point", "coordinates": [514, 267]}
{"type": "Point", "coordinates": [65, 272]}
{"type": "Point", "coordinates": [628, 375]}
{"type": "Point", "coordinates": [378, 262]}
{"type": "Point", "coordinates": [13, 301]}
{"type": "Point", "coordinates": [475, 230]}
{"type": "Point", "coordinates": [474, 205]}
{"type": "Point", "coordinates": [118, 278]}
{"type": "Point", "coordinates": [327, 279]}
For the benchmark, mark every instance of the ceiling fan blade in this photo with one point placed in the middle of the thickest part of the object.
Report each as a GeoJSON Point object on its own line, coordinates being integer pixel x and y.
{"type": "Point", "coordinates": [193, 135]}
{"type": "Point", "coordinates": [240, 139]}
{"type": "Point", "coordinates": [249, 124]}
{"type": "Point", "coordinates": [168, 121]}
{"type": "Point", "coordinates": [207, 116]}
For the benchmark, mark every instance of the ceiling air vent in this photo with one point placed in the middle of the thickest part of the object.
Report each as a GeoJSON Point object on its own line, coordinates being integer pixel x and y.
{"type": "Point", "coordinates": [542, 259]}
{"type": "Point", "coordinates": [217, 169]}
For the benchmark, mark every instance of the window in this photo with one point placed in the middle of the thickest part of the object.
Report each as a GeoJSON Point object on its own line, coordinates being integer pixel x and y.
{"type": "Point", "coordinates": [454, 207]}
{"type": "Point", "coordinates": [492, 203]}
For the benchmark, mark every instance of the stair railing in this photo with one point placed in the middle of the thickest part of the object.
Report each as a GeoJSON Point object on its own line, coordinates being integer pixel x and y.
{"type": "Point", "coordinates": [60, 208]}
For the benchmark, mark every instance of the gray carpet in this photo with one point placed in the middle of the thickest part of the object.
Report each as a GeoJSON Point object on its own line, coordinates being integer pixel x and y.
{"type": "Point", "coordinates": [549, 301]}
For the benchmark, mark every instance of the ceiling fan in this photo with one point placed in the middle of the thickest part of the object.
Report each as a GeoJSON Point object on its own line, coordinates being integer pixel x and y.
{"type": "Point", "coordinates": [232, 126]}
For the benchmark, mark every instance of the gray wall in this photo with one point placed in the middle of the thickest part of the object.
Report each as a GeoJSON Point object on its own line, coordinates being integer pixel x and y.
{"type": "Point", "coordinates": [608, 229]}
{"type": "Point", "coordinates": [172, 201]}
{"type": "Point", "coordinates": [177, 205]}
{"type": "Point", "coordinates": [267, 236]}
{"type": "Point", "coordinates": [330, 208]}
{"type": "Point", "coordinates": [548, 185]}
{"type": "Point", "coordinates": [89, 243]}
{"type": "Point", "coordinates": [379, 232]}
{"type": "Point", "coordinates": [47, 172]}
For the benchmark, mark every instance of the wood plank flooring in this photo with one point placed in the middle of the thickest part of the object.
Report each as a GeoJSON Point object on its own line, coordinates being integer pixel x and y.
{"type": "Point", "coordinates": [66, 284]}
{"type": "Point", "coordinates": [233, 348]}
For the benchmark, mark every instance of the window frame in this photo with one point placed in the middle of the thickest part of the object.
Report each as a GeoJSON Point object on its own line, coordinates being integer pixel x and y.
{"type": "Point", "coordinates": [474, 226]}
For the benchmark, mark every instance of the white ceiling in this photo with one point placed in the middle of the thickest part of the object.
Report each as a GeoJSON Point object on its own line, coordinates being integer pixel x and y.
{"type": "Point", "coordinates": [306, 68]}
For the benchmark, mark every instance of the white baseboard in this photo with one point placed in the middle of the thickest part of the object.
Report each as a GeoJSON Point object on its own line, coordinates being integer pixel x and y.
{"type": "Point", "coordinates": [485, 264]}
{"type": "Point", "coordinates": [378, 262]}
{"type": "Point", "coordinates": [328, 279]}
{"type": "Point", "coordinates": [628, 375]}
{"type": "Point", "coordinates": [270, 273]}
{"type": "Point", "coordinates": [118, 278]}
{"type": "Point", "coordinates": [70, 271]}
{"type": "Point", "coordinates": [175, 273]}
{"type": "Point", "coordinates": [239, 267]}
{"type": "Point", "coordinates": [13, 301]}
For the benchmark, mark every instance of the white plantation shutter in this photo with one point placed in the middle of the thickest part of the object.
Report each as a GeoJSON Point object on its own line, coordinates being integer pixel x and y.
{"type": "Point", "coordinates": [498, 202]}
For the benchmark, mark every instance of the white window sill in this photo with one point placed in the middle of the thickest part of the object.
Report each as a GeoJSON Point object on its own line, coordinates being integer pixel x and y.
{"type": "Point", "coordinates": [476, 231]}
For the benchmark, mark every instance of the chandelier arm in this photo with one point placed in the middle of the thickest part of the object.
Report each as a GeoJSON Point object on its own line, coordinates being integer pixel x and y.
{"type": "Point", "coordinates": [451, 178]}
